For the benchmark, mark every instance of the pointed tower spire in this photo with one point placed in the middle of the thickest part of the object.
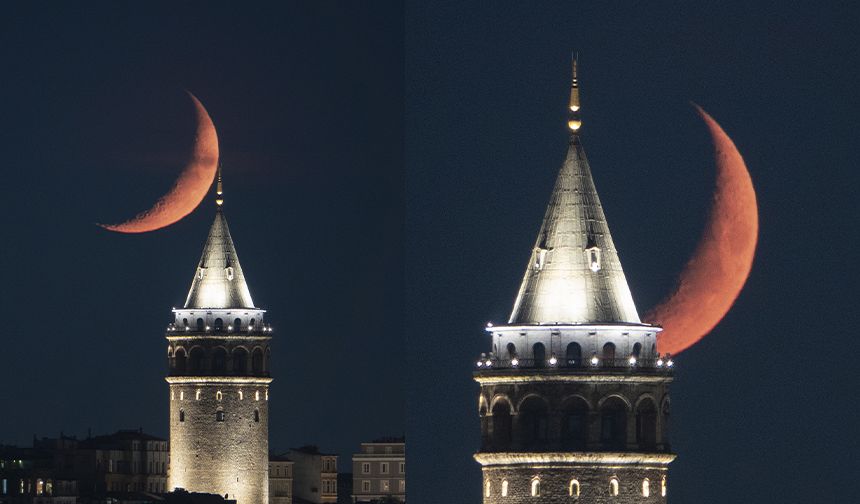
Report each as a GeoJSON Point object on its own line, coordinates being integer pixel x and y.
{"type": "Point", "coordinates": [219, 190]}
{"type": "Point", "coordinates": [574, 122]}
{"type": "Point", "coordinates": [574, 275]}
{"type": "Point", "coordinates": [219, 281]}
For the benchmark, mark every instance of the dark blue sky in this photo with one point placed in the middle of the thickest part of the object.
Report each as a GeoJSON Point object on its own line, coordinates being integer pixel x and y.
{"type": "Point", "coordinates": [312, 113]}
{"type": "Point", "coordinates": [307, 101]}
{"type": "Point", "coordinates": [761, 407]}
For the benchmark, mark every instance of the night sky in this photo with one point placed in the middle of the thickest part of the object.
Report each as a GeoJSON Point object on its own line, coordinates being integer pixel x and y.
{"type": "Point", "coordinates": [763, 407]}
{"type": "Point", "coordinates": [382, 220]}
{"type": "Point", "coordinates": [308, 103]}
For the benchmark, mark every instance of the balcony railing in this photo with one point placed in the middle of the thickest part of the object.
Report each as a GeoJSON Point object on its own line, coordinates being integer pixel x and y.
{"type": "Point", "coordinates": [628, 363]}
{"type": "Point", "coordinates": [260, 330]}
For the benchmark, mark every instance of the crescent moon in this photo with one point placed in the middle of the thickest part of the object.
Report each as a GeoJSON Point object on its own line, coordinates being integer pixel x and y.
{"type": "Point", "coordinates": [713, 278]}
{"type": "Point", "coordinates": [191, 186]}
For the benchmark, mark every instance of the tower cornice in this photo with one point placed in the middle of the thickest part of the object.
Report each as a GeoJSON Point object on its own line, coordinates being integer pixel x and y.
{"type": "Point", "coordinates": [214, 380]}
{"type": "Point", "coordinates": [518, 376]}
{"type": "Point", "coordinates": [536, 459]}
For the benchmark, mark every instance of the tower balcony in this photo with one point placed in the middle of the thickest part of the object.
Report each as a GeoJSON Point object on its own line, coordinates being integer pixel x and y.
{"type": "Point", "coordinates": [261, 330]}
{"type": "Point", "coordinates": [632, 364]}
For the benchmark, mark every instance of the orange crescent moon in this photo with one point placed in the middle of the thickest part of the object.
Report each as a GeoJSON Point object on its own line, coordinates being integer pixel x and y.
{"type": "Point", "coordinates": [713, 278]}
{"type": "Point", "coordinates": [191, 186]}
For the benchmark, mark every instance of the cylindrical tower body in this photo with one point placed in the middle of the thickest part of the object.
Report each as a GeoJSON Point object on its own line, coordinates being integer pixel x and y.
{"type": "Point", "coordinates": [574, 412]}
{"type": "Point", "coordinates": [219, 414]}
{"type": "Point", "coordinates": [574, 400]}
{"type": "Point", "coordinates": [218, 361]}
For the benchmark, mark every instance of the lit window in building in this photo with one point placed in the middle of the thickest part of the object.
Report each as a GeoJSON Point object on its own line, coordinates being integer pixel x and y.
{"type": "Point", "coordinates": [613, 486]}
{"type": "Point", "coordinates": [4, 487]}
{"type": "Point", "coordinates": [504, 488]}
{"type": "Point", "coordinates": [365, 486]}
{"type": "Point", "coordinates": [487, 489]}
{"type": "Point", "coordinates": [402, 486]}
{"type": "Point", "coordinates": [171, 395]}
{"type": "Point", "coordinates": [384, 486]}
{"type": "Point", "coordinates": [365, 468]}
{"type": "Point", "coordinates": [219, 416]}
{"type": "Point", "coordinates": [181, 395]}
{"type": "Point", "coordinates": [241, 395]}
{"type": "Point", "coordinates": [383, 467]}
{"type": "Point", "coordinates": [197, 395]}
{"type": "Point", "coordinates": [257, 395]}
{"type": "Point", "coordinates": [535, 487]}
{"type": "Point", "coordinates": [40, 486]}
{"type": "Point", "coordinates": [646, 487]}
{"type": "Point", "coordinates": [218, 395]}
{"type": "Point", "coordinates": [663, 487]}
{"type": "Point", "coordinates": [573, 488]}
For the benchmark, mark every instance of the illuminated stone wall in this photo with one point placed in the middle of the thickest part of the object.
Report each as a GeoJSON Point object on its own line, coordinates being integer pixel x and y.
{"type": "Point", "coordinates": [592, 425]}
{"type": "Point", "coordinates": [554, 484]}
{"type": "Point", "coordinates": [222, 457]}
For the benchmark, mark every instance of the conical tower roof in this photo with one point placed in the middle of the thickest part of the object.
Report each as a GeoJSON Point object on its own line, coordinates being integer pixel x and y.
{"type": "Point", "coordinates": [574, 275]}
{"type": "Point", "coordinates": [219, 281]}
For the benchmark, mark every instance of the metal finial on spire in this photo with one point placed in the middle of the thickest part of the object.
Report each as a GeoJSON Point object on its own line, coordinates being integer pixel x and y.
{"type": "Point", "coordinates": [219, 190]}
{"type": "Point", "coordinates": [574, 123]}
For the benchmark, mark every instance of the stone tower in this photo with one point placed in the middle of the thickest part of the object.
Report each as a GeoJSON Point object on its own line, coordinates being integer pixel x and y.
{"type": "Point", "coordinates": [574, 402]}
{"type": "Point", "coordinates": [218, 357]}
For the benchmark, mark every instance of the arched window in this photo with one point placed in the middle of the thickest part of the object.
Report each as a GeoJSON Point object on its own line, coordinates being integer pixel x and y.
{"type": "Point", "coordinates": [219, 396]}
{"type": "Point", "coordinates": [181, 415]}
{"type": "Point", "coordinates": [201, 326]}
{"type": "Point", "coordinates": [179, 362]}
{"type": "Point", "coordinates": [257, 361]}
{"type": "Point", "coordinates": [197, 395]}
{"type": "Point", "coordinates": [487, 488]}
{"type": "Point", "coordinates": [251, 324]}
{"type": "Point", "coordinates": [219, 416]}
{"type": "Point", "coordinates": [512, 351]}
{"type": "Point", "coordinates": [219, 324]}
{"type": "Point", "coordinates": [573, 355]}
{"type": "Point", "coordinates": [266, 363]}
{"type": "Point", "coordinates": [533, 422]}
{"type": "Point", "coordinates": [637, 350]}
{"type": "Point", "coordinates": [613, 424]}
{"type": "Point", "coordinates": [195, 360]}
{"type": "Point", "coordinates": [539, 354]}
{"type": "Point", "coordinates": [646, 487]}
{"type": "Point", "coordinates": [504, 488]}
{"type": "Point", "coordinates": [219, 361]}
{"type": "Point", "coordinates": [574, 426]}
{"type": "Point", "coordinates": [240, 361]}
{"type": "Point", "coordinates": [237, 324]}
{"type": "Point", "coordinates": [501, 425]}
{"type": "Point", "coordinates": [185, 322]}
{"type": "Point", "coordinates": [256, 415]}
{"type": "Point", "coordinates": [257, 395]}
{"type": "Point", "coordinates": [646, 425]}
{"type": "Point", "coordinates": [573, 488]}
{"type": "Point", "coordinates": [663, 487]}
{"type": "Point", "coordinates": [535, 487]}
{"type": "Point", "coordinates": [609, 355]}
{"type": "Point", "coordinates": [613, 486]}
